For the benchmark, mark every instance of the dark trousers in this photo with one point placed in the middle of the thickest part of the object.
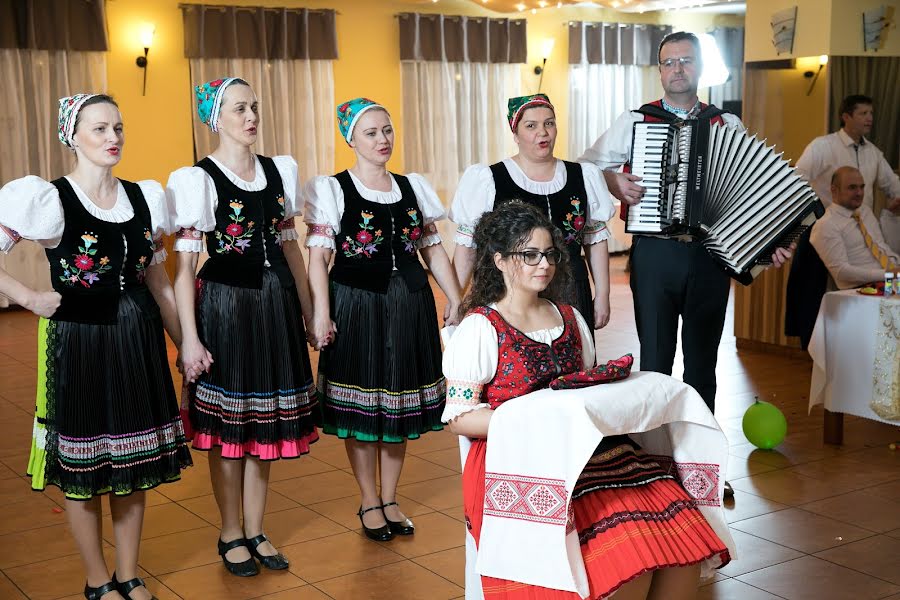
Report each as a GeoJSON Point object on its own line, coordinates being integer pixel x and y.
{"type": "Point", "coordinates": [672, 279]}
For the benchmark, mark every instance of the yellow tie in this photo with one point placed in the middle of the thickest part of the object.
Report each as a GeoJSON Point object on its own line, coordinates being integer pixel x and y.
{"type": "Point", "coordinates": [880, 256]}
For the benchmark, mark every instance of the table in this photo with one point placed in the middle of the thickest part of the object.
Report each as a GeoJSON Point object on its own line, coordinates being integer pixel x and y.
{"type": "Point", "coordinates": [856, 361]}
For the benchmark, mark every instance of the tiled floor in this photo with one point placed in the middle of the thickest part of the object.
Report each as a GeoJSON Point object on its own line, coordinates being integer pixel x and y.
{"type": "Point", "coordinates": [811, 521]}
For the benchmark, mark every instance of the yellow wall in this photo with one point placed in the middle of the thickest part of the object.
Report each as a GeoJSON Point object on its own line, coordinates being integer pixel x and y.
{"type": "Point", "coordinates": [159, 124]}
{"type": "Point", "coordinates": [847, 29]}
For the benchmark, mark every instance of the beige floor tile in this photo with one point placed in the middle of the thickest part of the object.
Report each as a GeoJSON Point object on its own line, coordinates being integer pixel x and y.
{"type": "Point", "coordinates": [755, 553]}
{"type": "Point", "coordinates": [35, 545]}
{"type": "Point", "coordinates": [205, 506]}
{"type": "Point", "coordinates": [437, 493]}
{"type": "Point", "coordinates": [9, 591]}
{"type": "Point", "coordinates": [343, 510]}
{"type": "Point", "coordinates": [55, 578]}
{"type": "Point", "coordinates": [878, 556]}
{"type": "Point", "coordinates": [337, 555]}
{"type": "Point", "coordinates": [15, 490]}
{"type": "Point", "coordinates": [861, 509]}
{"type": "Point", "coordinates": [782, 456]}
{"type": "Point", "coordinates": [178, 551]}
{"type": "Point", "coordinates": [152, 497]}
{"type": "Point", "coordinates": [160, 520]}
{"type": "Point", "coordinates": [449, 459]}
{"type": "Point", "coordinates": [890, 490]}
{"type": "Point", "coordinates": [37, 511]}
{"type": "Point", "coordinates": [416, 469]}
{"type": "Point", "coordinates": [194, 482]}
{"type": "Point", "coordinates": [810, 578]}
{"type": "Point", "coordinates": [844, 473]}
{"type": "Point", "coordinates": [432, 441]}
{"type": "Point", "coordinates": [742, 467]}
{"type": "Point", "coordinates": [213, 581]}
{"type": "Point", "coordinates": [801, 530]}
{"type": "Point", "coordinates": [449, 564]}
{"type": "Point", "coordinates": [297, 467]}
{"type": "Point", "coordinates": [895, 533]}
{"type": "Point", "coordinates": [434, 532]}
{"type": "Point", "coordinates": [732, 589]}
{"type": "Point", "coordinates": [331, 454]}
{"type": "Point", "coordinates": [297, 525]}
{"type": "Point", "coordinates": [317, 488]}
{"type": "Point", "coordinates": [307, 592]}
{"type": "Point", "coordinates": [457, 512]}
{"type": "Point", "coordinates": [745, 505]}
{"type": "Point", "coordinates": [399, 580]}
{"type": "Point", "coordinates": [789, 488]}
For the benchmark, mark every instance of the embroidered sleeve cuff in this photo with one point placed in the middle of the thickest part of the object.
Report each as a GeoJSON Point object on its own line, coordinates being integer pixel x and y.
{"type": "Point", "coordinates": [287, 231]}
{"type": "Point", "coordinates": [431, 236]}
{"type": "Point", "coordinates": [464, 235]}
{"type": "Point", "coordinates": [320, 236]}
{"type": "Point", "coordinates": [594, 233]}
{"type": "Point", "coordinates": [462, 397]}
{"type": "Point", "coordinates": [8, 238]}
{"type": "Point", "coordinates": [188, 240]}
{"type": "Point", "coordinates": [159, 252]}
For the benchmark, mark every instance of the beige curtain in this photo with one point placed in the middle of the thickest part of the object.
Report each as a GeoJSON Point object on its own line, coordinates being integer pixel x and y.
{"type": "Point", "coordinates": [615, 43]}
{"type": "Point", "coordinates": [33, 80]}
{"type": "Point", "coordinates": [78, 25]}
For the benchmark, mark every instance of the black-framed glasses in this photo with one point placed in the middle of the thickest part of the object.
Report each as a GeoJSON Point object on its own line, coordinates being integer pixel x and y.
{"type": "Point", "coordinates": [533, 257]}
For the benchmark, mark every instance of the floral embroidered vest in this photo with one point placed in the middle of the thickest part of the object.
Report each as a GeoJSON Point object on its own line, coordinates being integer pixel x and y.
{"type": "Point", "coordinates": [377, 238]}
{"type": "Point", "coordinates": [96, 260]}
{"type": "Point", "coordinates": [567, 208]}
{"type": "Point", "coordinates": [246, 239]}
{"type": "Point", "coordinates": [525, 365]}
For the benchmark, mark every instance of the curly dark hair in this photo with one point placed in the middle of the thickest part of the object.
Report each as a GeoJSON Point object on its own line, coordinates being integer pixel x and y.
{"type": "Point", "coordinates": [505, 230]}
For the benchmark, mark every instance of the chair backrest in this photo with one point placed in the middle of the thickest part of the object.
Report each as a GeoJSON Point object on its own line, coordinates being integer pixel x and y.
{"type": "Point", "coordinates": [807, 283]}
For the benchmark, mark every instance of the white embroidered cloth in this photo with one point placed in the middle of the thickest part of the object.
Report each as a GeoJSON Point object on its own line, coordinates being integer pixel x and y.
{"type": "Point", "coordinates": [538, 446]}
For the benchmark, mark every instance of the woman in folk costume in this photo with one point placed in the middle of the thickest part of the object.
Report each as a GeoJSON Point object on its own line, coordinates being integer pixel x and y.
{"type": "Point", "coordinates": [380, 371]}
{"type": "Point", "coordinates": [243, 317]}
{"type": "Point", "coordinates": [573, 196]}
{"type": "Point", "coordinates": [107, 416]}
{"type": "Point", "coordinates": [639, 530]}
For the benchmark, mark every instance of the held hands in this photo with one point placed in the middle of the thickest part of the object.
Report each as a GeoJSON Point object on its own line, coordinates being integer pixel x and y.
{"type": "Point", "coordinates": [624, 187]}
{"type": "Point", "coordinates": [451, 314]}
{"type": "Point", "coordinates": [322, 333]}
{"type": "Point", "coordinates": [195, 359]}
{"type": "Point", "coordinates": [43, 304]}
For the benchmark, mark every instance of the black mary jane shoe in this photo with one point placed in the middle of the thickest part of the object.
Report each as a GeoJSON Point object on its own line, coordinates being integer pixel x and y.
{"type": "Point", "coordinates": [276, 562]}
{"type": "Point", "coordinates": [124, 587]}
{"type": "Point", "coordinates": [98, 592]}
{"type": "Point", "coordinates": [404, 527]}
{"type": "Point", "coordinates": [246, 568]}
{"type": "Point", "coordinates": [379, 534]}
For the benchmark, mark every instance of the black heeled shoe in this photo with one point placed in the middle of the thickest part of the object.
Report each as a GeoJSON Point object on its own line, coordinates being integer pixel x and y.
{"type": "Point", "coordinates": [124, 587]}
{"type": "Point", "coordinates": [404, 527]}
{"type": "Point", "coordinates": [276, 562]}
{"type": "Point", "coordinates": [246, 568]}
{"type": "Point", "coordinates": [98, 592]}
{"type": "Point", "coordinates": [379, 534]}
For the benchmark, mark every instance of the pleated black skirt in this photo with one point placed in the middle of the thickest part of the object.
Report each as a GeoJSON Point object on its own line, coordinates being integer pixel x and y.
{"type": "Point", "coordinates": [107, 416]}
{"type": "Point", "coordinates": [381, 379]}
{"type": "Point", "coordinates": [258, 397]}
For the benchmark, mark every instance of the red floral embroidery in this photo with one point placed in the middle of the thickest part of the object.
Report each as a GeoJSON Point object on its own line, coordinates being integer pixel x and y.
{"type": "Point", "coordinates": [80, 270]}
{"type": "Point", "coordinates": [367, 239]}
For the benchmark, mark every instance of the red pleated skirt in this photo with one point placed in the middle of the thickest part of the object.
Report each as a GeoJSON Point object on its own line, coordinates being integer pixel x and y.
{"type": "Point", "coordinates": [624, 532]}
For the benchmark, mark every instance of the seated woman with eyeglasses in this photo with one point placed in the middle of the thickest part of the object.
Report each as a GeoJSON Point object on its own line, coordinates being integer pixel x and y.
{"type": "Point", "coordinates": [641, 534]}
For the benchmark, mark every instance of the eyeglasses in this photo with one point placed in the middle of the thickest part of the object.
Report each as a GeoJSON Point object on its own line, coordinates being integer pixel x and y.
{"type": "Point", "coordinates": [533, 257]}
{"type": "Point", "coordinates": [686, 61]}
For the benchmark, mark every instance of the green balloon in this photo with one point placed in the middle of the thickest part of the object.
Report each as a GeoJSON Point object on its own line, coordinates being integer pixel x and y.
{"type": "Point", "coordinates": [764, 425]}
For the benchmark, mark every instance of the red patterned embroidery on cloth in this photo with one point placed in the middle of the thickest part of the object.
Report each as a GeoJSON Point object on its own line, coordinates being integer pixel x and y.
{"type": "Point", "coordinates": [286, 224]}
{"type": "Point", "coordinates": [532, 499]}
{"type": "Point", "coordinates": [323, 230]}
{"type": "Point", "coordinates": [189, 233]}
{"type": "Point", "coordinates": [699, 480]}
{"type": "Point", "coordinates": [12, 233]}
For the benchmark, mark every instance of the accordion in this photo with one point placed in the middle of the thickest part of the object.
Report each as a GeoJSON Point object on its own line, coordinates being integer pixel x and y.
{"type": "Point", "coordinates": [722, 187]}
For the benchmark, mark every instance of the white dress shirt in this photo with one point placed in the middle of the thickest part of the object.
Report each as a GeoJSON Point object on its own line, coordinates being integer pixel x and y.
{"type": "Point", "coordinates": [828, 152]}
{"type": "Point", "coordinates": [841, 245]}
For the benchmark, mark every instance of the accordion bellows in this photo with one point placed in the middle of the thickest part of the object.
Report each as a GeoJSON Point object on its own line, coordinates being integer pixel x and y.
{"type": "Point", "coordinates": [721, 186]}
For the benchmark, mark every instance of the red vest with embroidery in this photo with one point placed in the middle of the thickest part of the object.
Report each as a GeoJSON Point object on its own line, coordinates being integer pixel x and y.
{"type": "Point", "coordinates": [525, 365]}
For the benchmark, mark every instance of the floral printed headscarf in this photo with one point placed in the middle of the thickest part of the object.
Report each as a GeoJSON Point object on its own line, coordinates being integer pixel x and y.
{"type": "Point", "coordinates": [209, 100]}
{"type": "Point", "coordinates": [68, 114]}
{"type": "Point", "coordinates": [518, 105]}
{"type": "Point", "coordinates": [349, 113]}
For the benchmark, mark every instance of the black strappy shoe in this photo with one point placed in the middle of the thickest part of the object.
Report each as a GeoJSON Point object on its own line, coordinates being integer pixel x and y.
{"type": "Point", "coordinates": [276, 562]}
{"type": "Point", "coordinates": [246, 568]}
{"type": "Point", "coordinates": [124, 587]}
{"type": "Point", "coordinates": [379, 534]}
{"type": "Point", "coordinates": [404, 527]}
{"type": "Point", "coordinates": [98, 592]}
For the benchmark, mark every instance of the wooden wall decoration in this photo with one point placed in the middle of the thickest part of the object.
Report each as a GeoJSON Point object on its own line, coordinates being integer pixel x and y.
{"type": "Point", "coordinates": [784, 22]}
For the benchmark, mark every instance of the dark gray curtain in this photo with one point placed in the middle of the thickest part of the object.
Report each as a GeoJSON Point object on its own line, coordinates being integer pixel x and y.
{"type": "Point", "coordinates": [78, 25]}
{"type": "Point", "coordinates": [432, 37]}
{"type": "Point", "coordinates": [876, 77]}
{"type": "Point", "coordinates": [258, 32]}
{"type": "Point", "coordinates": [615, 43]}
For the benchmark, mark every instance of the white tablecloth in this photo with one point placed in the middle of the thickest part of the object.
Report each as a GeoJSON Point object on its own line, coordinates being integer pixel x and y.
{"type": "Point", "coordinates": [855, 358]}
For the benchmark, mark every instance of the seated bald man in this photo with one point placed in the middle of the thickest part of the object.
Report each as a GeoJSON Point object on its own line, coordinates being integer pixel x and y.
{"type": "Point", "coordinates": [848, 238]}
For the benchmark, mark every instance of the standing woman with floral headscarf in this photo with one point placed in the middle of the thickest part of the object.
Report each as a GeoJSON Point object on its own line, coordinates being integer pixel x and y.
{"type": "Point", "coordinates": [242, 317]}
{"type": "Point", "coordinates": [106, 419]}
{"type": "Point", "coordinates": [380, 372]}
{"type": "Point", "coordinates": [573, 196]}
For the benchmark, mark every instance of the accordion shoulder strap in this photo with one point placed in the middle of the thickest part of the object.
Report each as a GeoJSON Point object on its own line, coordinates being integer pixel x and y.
{"type": "Point", "coordinates": [709, 112]}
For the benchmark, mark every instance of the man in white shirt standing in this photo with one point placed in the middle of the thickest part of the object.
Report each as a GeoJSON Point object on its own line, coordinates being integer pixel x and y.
{"type": "Point", "coordinates": [840, 237]}
{"type": "Point", "coordinates": [848, 147]}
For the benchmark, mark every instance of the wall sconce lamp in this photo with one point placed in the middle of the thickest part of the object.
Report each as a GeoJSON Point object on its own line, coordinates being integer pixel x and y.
{"type": "Point", "coordinates": [141, 61]}
{"type": "Point", "coordinates": [823, 60]}
{"type": "Point", "coordinates": [546, 50]}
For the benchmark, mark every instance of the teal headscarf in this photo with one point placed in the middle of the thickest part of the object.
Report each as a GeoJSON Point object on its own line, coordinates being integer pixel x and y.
{"type": "Point", "coordinates": [209, 99]}
{"type": "Point", "coordinates": [349, 112]}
